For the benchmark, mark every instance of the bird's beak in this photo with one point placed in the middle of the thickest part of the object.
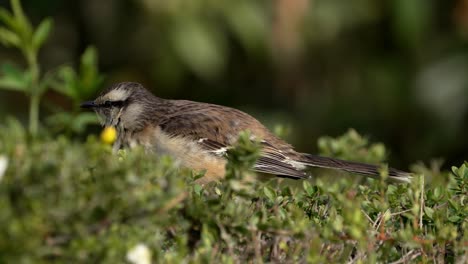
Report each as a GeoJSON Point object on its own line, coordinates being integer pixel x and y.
{"type": "Point", "coordinates": [88, 104]}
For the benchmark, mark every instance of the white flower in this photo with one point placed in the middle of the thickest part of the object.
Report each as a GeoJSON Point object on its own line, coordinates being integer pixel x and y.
{"type": "Point", "coordinates": [3, 165]}
{"type": "Point", "coordinates": [139, 254]}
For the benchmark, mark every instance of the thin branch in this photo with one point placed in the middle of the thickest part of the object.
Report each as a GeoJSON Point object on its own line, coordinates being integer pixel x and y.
{"type": "Point", "coordinates": [407, 257]}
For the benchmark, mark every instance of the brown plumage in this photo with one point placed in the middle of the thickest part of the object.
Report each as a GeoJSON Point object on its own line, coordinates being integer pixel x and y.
{"type": "Point", "coordinates": [197, 135]}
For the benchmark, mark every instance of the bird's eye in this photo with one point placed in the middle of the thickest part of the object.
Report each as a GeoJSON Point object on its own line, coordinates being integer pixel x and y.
{"type": "Point", "coordinates": [113, 103]}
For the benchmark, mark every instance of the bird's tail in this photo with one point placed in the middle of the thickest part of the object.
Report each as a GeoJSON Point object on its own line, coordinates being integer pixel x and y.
{"type": "Point", "coordinates": [355, 167]}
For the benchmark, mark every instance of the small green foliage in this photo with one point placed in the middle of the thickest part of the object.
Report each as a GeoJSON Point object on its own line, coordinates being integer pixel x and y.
{"type": "Point", "coordinates": [460, 179]}
{"type": "Point", "coordinates": [352, 146]}
{"type": "Point", "coordinates": [14, 78]}
{"type": "Point", "coordinates": [243, 155]}
{"type": "Point", "coordinates": [65, 201]}
{"type": "Point", "coordinates": [18, 33]}
{"type": "Point", "coordinates": [78, 86]}
{"type": "Point", "coordinates": [245, 152]}
{"type": "Point", "coordinates": [82, 85]}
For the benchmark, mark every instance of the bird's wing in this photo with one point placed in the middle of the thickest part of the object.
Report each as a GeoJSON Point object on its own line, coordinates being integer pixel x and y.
{"type": "Point", "coordinates": [274, 161]}
{"type": "Point", "coordinates": [216, 136]}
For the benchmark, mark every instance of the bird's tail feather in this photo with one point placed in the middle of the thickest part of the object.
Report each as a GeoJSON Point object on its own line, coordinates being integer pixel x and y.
{"type": "Point", "coordinates": [352, 166]}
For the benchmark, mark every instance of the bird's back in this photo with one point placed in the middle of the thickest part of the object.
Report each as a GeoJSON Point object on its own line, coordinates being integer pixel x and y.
{"type": "Point", "coordinates": [215, 122]}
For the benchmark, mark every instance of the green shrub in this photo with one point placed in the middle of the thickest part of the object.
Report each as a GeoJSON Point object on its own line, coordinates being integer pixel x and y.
{"type": "Point", "coordinates": [66, 201]}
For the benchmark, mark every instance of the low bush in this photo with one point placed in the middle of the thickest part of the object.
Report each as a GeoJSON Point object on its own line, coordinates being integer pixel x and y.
{"type": "Point", "coordinates": [69, 201]}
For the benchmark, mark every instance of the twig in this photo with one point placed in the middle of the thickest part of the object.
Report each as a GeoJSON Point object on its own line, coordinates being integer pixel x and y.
{"type": "Point", "coordinates": [256, 237]}
{"type": "Point", "coordinates": [381, 219]}
{"type": "Point", "coordinates": [368, 217]}
{"type": "Point", "coordinates": [422, 204]}
{"type": "Point", "coordinates": [407, 257]}
{"type": "Point", "coordinates": [399, 213]}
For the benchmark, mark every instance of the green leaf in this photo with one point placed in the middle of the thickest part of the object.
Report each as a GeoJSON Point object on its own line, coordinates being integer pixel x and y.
{"type": "Point", "coordinates": [24, 26]}
{"type": "Point", "coordinates": [454, 169]}
{"type": "Point", "coordinates": [90, 79]}
{"type": "Point", "coordinates": [460, 171]}
{"type": "Point", "coordinates": [89, 57]}
{"type": "Point", "coordinates": [429, 212]}
{"type": "Point", "coordinates": [10, 69]}
{"type": "Point", "coordinates": [82, 85]}
{"type": "Point", "coordinates": [8, 83]}
{"type": "Point", "coordinates": [308, 188]}
{"type": "Point", "coordinates": [437, 192]}
{"type": "Point", "coordinates": [14, 79]}
{"type": "Point", "coordinates": [454, 218]}
{"type": "Point", "coordinates": [269, 192]}
{"type": "Point", "coordinates": [198, 189]}
{"type": "Point", "coordinates": [454, 205]}
{"type": "Point", "coordinates": [42, 32]}
{"type": "Point", "coordinates": [9, 38]}
{"type": "Point", "coordinates": [7, 18]}
{"type": "Point", "coordinates": [67, 83]}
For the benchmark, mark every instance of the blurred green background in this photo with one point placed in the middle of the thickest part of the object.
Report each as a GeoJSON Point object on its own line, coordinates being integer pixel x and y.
{"type": "Point", "coordinates": [395, 70]}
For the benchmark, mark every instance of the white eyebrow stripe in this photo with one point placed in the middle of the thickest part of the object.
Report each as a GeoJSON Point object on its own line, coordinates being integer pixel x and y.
{"type": "Point", "coordinates": [117, 95]}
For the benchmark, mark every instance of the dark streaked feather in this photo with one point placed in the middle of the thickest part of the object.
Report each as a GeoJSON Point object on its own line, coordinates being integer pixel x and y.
{"type": "Point", "coordinates": [352, 166]}
{"type": "Point", "coordinates": [210, 144]}
{"type": "Point", "coordinates": [278, 167]}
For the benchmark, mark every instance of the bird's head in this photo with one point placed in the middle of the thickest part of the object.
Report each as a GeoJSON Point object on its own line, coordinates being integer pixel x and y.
{"type": "Point", "coordinates": [122, 104]}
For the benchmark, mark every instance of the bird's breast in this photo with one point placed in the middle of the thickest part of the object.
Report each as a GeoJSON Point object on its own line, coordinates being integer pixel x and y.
{"type": "Point", "coordinates": [184, 151]}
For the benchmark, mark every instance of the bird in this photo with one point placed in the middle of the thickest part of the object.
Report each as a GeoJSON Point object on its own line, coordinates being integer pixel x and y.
{"type": "Point", "coordinates": [199, 135]}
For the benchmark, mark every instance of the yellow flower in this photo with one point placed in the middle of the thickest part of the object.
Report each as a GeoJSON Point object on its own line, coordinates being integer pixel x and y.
{"type": "Point", "coordinates": [109, 135]}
